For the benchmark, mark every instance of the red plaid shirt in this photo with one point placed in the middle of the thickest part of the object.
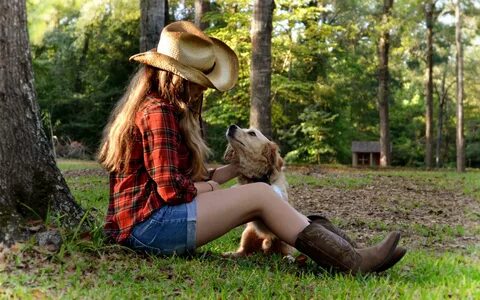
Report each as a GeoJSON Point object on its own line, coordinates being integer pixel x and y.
{"type": "Point", "coordinates": [158, 170]}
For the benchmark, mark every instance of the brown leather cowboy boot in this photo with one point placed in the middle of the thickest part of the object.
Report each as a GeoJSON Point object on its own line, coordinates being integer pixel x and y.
{"type": "Point", "coordinates": [330, 250]}
{"type": "Point", "coordinates": [319, 219]}
{"type": "Point", "coordinates": [397, 254]}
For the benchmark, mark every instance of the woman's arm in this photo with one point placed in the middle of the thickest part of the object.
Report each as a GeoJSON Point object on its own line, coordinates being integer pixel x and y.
{"type": "Point", "coordinates": [206, 186]}
{"type": "Point", "coordinates": [224, 173]}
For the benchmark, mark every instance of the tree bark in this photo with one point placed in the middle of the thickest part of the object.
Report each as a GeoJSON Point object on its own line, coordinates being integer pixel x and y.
{"type": "Point", "coordinates": [261, 66]}
{"type": "Point", "coordinates": [429, 8]}
{"type": "Point", "coordinates": [460, 141]}
{"type": "Point", "coordinates": [30, 182]}
{"type": "Point", "coordinates": [383, 91]}
{"type": "Point", "coordinates": [201, 8]}
{"type": "Point", "coordinates": [153, 17]}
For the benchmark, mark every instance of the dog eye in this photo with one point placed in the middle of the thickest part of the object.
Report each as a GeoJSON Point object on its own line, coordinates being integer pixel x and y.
{"type": "Point", "coordinates": [252, 133]}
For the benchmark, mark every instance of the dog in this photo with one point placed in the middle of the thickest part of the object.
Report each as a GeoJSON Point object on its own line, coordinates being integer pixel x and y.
{"type": "Point", "coordinates": [258, 160]}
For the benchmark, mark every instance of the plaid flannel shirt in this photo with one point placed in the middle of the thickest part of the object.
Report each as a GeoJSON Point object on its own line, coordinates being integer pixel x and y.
{"type": "Point", "coordinates": [158, 171]}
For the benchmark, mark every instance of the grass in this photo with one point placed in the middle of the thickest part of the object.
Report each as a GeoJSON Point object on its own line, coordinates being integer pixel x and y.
{"type": "Point", "coordinates": [88, 269]}
{"type": "Point", "coordinates": [344, 182]}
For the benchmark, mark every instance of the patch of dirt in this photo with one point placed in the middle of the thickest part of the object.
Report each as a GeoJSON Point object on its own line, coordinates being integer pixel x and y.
{"type": "Point", "coordinates": [427, 216]}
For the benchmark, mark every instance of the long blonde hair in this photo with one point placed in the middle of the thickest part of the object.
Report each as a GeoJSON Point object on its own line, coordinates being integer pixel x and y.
{"type": "Point", "coordinates": [116, 146]}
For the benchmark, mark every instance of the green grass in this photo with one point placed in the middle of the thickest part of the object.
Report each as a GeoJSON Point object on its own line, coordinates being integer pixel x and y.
{"type": "Point", "coordinates": [343, 182]}
{"type": "Point", "coordinates": [89, 269]}
{"type": "Point", "coordinates": [76, 164]}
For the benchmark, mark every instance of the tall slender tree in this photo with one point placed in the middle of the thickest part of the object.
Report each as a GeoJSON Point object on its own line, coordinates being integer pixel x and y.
{"type": "Point", "coordinates": [261, 66]}
{"type": "Point", "coordinates": [383, 79]}
{"type": "Point", "coordinates": [30, 182]}
{"type": "Point", "coordinates": [154, 16]}
{"type": "Point", "coordinates": [201, 8]}
{"type": "Point", "coordinates": [429, 13]}
{"type": "Point", "coordinates": [459, 69]}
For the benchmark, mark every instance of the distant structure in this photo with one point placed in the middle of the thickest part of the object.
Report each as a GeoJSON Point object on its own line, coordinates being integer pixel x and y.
{"type": "Point", "coordinates": [365, 154]}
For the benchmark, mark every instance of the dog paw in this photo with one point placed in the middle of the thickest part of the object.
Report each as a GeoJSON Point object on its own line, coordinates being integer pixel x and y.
{"type": "Point", "coordinates": [289, 258]}
{"type": "Point", "coordinates": [234, 254]}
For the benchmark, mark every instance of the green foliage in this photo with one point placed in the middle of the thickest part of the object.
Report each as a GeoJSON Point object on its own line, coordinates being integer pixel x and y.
{"type": "Point", "coordinates": [81, 65]}
{"type": "Point", "coordinates": [324, 72]}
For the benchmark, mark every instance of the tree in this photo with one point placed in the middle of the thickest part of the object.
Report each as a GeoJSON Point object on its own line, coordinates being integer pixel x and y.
{"type": "Point", "coordinates": [429, 11]}
{"type": "Point", "coordinates": [201, 8]}
{"type": "Point", "coordinates": [459, 70]}
{"type": "Point", "coordinates": [261, 66]}
{"type": "Point", "coordinates": [154, 16]}
{"type": "Point", "coordinates": [31, 185]}
{"type": "Point", "coordinates": [383, 91]}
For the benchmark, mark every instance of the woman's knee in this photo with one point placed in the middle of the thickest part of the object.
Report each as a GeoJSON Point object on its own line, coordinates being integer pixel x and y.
{"type": "Point", "coordinates": [262, 190]}
{"type": "Point", "coordinates": [263, 195]}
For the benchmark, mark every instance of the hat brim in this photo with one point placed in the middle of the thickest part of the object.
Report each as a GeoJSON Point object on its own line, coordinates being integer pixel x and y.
{"type": "Point", "coordinates": [222, 77]}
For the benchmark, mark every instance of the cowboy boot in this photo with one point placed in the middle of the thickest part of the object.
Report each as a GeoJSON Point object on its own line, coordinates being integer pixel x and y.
{"type": "Point", "coordinates": [397, 254]}
{"type": "Point", "coordinates": [319, 219]}
{"type": "Point", "coordinates": [330, 250]}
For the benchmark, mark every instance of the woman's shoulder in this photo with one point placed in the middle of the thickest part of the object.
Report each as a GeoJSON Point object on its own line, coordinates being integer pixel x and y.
{"type": "Point", "coordinates": [153, 104]}
{"type": "Point", "coordinates": [153, 110]}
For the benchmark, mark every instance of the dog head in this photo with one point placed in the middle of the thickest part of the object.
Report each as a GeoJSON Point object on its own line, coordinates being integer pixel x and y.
{"type": "Point", "coordinates": [255, 155]}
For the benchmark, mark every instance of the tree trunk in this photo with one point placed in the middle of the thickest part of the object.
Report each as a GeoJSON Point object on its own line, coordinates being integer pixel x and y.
{"type": "Point", "coordinates": [459, 68]}
{"type": "Point", "coordinates": [429, 7]}
{"type": "Point", "coordinates": [383, 91]}
{"type": "Point", "coordinates": [153, 17]}
{"type": "Point", "coordinates": [30, 182]}
{"type": "Point", "coordinates": [441, 106]}
{"type": "Point", "coordinates": [261, 66]}
{"type": "Point", "coordinates": [201, 8]}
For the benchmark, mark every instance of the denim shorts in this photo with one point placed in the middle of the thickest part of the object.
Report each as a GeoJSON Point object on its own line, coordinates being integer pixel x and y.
{"type": "Point", "coordinates": [169, 230]}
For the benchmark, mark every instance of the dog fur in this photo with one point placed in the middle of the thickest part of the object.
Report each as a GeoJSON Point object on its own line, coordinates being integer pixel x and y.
{"type": "Point", "coordinates": [258, 160]}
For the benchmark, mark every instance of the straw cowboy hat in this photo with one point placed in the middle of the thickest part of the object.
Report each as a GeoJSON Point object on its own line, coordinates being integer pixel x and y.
{"type": "Point", "coordinates": [185, 50]}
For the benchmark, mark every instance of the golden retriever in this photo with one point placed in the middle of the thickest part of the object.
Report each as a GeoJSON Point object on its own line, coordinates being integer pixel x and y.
{"type": "Point", "coordinates": [258, 160]}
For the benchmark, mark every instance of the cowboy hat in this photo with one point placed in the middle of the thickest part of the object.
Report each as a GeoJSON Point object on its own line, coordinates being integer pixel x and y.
{"type": "Point", "coordinates": [185, 50]}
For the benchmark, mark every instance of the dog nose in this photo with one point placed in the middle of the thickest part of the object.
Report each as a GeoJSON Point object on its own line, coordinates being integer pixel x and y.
{"type": "Point", "coordinates": [231, 130]}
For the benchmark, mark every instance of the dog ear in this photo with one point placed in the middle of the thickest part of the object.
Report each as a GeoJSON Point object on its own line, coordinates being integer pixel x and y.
{"type": "Point", "coordinates": [271, 153]}
{"type": "Point", "coordinates": [230, 155]}
{"type": "Point", "coordinates": [279, 162]}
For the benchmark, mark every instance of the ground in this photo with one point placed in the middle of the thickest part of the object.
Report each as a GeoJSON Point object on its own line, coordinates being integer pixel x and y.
{"type": "Point", "coordinates": [438, 214]}
{"type": "Point", "coordinates": [367, 204]}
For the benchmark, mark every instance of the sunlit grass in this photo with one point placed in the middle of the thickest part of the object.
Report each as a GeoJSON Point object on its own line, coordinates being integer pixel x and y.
{"type": "Point", "coordinates": [76, 164]}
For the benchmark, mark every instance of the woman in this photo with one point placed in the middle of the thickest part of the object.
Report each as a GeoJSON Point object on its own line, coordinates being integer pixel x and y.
{"type": "Point", "coordinates": [162, 198]}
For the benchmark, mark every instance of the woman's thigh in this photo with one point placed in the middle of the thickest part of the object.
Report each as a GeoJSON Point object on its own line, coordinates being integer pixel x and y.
{"type": "Point", "coordinates": [220, 211]}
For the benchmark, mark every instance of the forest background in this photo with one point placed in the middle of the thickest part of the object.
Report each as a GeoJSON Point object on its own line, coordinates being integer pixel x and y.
{"type": "Point", "coordinates": [324, 74]}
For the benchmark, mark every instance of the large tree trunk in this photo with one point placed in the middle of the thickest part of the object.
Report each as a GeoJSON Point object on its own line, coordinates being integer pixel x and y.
{"type": "Point", "coordinates": [201, 8]}
{"type": "Point", "coordinates": [153, 17]}
{"type": "Point", "coordinates": [383, 91]}
{"type": "Point", "coordinates": [261, 66]}
{"type": "Point", "coordinates": [30, 182]}
{"type": "Point", "coordinates": [429, 8]}
{"type": "Point", "coordinates": [459, 69]}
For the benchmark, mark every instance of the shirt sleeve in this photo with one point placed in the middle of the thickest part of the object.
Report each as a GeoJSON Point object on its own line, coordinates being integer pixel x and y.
{"type": "Point", "coordinates": [161, 138]}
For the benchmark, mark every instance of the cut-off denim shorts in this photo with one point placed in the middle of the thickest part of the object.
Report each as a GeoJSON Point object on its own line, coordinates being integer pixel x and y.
{"type": "Point", "coordinates": [170, 230]}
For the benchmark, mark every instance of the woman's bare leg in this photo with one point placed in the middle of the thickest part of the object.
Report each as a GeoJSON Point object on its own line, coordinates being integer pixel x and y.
{"type": "Point", "coordinates": [220, 211]}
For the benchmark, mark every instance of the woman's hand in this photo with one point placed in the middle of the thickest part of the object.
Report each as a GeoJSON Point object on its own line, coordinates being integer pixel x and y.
{"type": "Point", "coordinates": [225, 173]}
